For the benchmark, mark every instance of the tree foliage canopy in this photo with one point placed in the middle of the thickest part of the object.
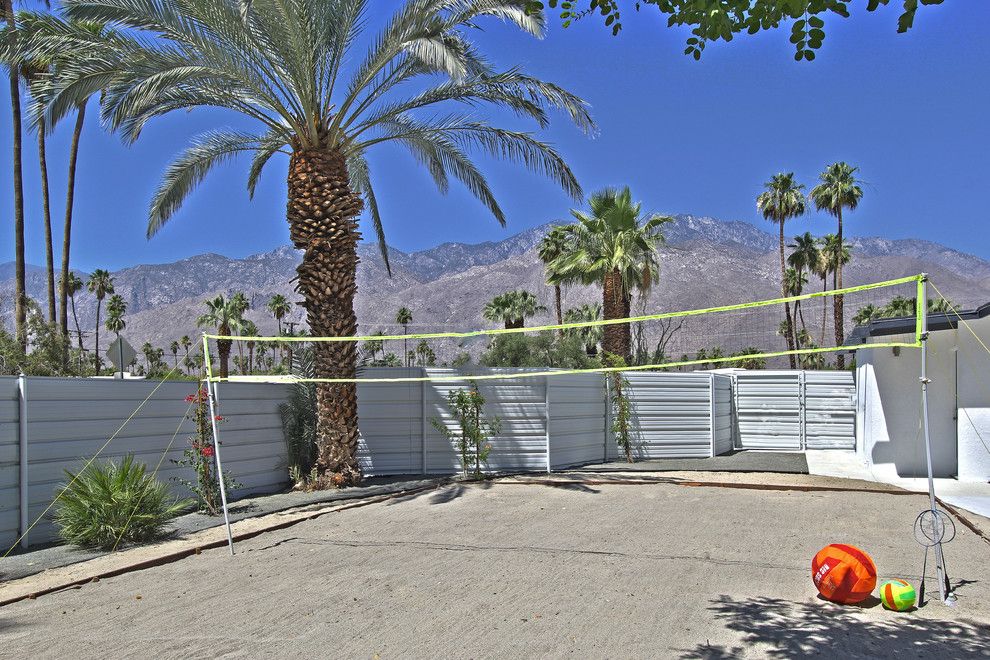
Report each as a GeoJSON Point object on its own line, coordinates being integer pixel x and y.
{"type": "Point", "coordinates": [715, 20]}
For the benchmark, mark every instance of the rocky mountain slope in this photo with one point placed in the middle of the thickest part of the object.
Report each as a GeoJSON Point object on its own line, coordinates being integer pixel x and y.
{"type": "Point", "coordinates": [705, 262]}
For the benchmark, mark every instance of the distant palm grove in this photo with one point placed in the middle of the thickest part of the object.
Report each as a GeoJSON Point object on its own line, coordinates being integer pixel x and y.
{"type": "Point", "coordinates": [322, 88]}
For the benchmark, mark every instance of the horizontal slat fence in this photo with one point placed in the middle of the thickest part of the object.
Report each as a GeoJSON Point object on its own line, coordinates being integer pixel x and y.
{"type": "Point", "coordinates": [547, 423]}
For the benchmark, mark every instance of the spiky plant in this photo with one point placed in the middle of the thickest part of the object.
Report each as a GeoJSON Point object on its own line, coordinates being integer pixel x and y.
{"type": "Point", "coordinates": [295, 68]}
{"type": "Point", "coordinates": [114, 502]}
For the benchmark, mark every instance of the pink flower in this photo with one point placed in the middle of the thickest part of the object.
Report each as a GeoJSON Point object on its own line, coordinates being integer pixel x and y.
{"type": "Point", "coordinates": [190, 398]}
{"type": "Point", "coordinates": [207, 451]}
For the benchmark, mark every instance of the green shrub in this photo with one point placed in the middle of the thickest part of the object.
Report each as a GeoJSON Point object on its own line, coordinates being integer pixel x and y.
{"type": "Point", "coordinates": [110, 502]}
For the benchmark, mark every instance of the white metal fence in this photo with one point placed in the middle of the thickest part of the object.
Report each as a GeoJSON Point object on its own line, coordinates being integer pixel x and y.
{"type": "Point", "coordinates": [547, 423]}
{"type": "Point", "coordinates": [793, 410]}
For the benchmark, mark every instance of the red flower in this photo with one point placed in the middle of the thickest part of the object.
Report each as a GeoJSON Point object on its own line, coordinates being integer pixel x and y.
{"type": "Point", "coordinates": [218, 418]}
{"type": "Point", "coordinates": [207, 451]}
{"type": "Point", "coordinates": [190, 398]}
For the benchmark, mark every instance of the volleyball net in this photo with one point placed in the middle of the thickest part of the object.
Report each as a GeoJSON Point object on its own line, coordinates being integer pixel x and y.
{"type": "Point", "coordinates": [755, 334]}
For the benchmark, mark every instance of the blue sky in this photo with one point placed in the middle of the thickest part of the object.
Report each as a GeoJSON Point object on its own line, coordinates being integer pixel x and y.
{"type": "Point", "coordinates": [688, 137]}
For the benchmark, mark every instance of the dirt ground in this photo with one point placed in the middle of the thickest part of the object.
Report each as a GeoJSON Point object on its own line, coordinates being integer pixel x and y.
{"type": "Point", "coordinates": [503, 569]}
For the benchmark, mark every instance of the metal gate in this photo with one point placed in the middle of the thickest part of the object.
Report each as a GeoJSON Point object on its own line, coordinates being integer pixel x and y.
{"type": "Point", "coordinates": [794, 410]}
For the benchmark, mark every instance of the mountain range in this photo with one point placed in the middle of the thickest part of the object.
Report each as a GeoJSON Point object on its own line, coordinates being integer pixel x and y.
{"type": "Point", "coordinates": [705, 262]}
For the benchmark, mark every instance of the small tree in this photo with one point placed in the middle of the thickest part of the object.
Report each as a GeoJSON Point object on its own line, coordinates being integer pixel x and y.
{"type": "Point", "coordinates": [621, 407]}
{"type": "Point", "coordinates": [472, 436]}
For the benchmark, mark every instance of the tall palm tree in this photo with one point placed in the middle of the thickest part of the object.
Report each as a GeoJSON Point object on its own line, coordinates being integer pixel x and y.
{"type": "Point", "coordinates": [116, 308]}
{"type": "Point", "coordinates": [225, 316]}
{"type": "Point", "coordinates": [279, 307]}
{"type": "Point", "coordinates": [100, 284]}
{"type": "Point", "coordinates": [838, 189]}
{"type": "Point", "coordinates": [186, 344]}
{"type": "Point", "coordinates": [404, 317]}
{"type": "Point", "coordinates": [794, 281]}
{"type": "Point", "coordinates": [865, 314]}
{"type": "Point", "coordinates": [249, 329]}
{"type": "Point", "coordinates": [282, 65]}
{"type": "Point", "coordinates": [36, 72]}
{"type": "Point", "coordinates": [781, 201]}
{"type": "Point", "coordinates": [804, 258]}
{"type": "Point", "coordinates": [240, 304]}
{"type": "Point", "coordinates": [832, 258]}
{"type": "Point", "coordinates": [553, 245]}
{"type": "Point", "coordinates": [75, 45]}
{"type": "Point", "coordinates": [616, 246]}
{"type": "Point", "coordinates": [174, 348]}
{"type": "Point", "coordinates": [72, 286]}
{"type": "Point", "coordinates": [17, 175]}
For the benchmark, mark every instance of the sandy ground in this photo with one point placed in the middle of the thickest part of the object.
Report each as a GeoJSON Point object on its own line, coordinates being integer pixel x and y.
{"type": "Point", "coordinates": [497, 570]}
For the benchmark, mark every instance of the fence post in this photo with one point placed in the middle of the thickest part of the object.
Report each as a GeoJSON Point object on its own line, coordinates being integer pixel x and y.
{"type": "Point", "coordinates": [608, 417]}
{"type": "Point", "coordinates": [711, 411]}
{"type": "Point", "coordinates": [22, 482]}
{"type": "Point", "coordinates": [546, 410]}
{"type": "Point", "coordinates": [425, 424]}
{"type": "Point", "coordinates": [803, 408]}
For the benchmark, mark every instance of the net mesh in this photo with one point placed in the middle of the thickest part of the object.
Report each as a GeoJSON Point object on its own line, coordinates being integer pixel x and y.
{"type": "Point", "coordinates": [751, 335]}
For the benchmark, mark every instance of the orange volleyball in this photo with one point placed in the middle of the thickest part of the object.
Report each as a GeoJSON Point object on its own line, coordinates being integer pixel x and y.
{"type": "Point", "coordinates": [843, 573]}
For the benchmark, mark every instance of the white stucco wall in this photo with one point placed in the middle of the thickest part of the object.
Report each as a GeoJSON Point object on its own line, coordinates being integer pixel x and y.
{"type": "Point", "coordinates": [973, 377]}
{"type": "Point", "coordinates": [889, 406]}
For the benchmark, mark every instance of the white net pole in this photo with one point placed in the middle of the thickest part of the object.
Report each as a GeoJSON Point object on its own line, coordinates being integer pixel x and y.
{"type": "Point", "coordinates": [212, 396]}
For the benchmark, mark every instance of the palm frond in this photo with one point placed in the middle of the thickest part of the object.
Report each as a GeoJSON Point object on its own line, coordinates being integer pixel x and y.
{"type": "Point", "coordinates": [183, 174]}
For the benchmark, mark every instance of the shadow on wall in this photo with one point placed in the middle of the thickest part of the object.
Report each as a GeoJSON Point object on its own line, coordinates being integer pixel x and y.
{"type": "Point", "coordinates": [786, 629]}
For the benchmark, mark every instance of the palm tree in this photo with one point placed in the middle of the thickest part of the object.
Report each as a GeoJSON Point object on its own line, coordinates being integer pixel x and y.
{"type": "Point", "coordinates": [279, 307]}
{"type": "Point", "coordinates": [404, 317]}
{"type": "Point", "coordinates": [794, 281]}
{"type": "Point", "coordinates": [224, 315]}
{"type": "Point", "coordinates": [186, 344]}
{"type": "Point", "coordinates": [240, 304]}
{"type": "Point", "coordinates": [513, 308]}
{"type": "Point", "coordinates": [17, 175]}
{"type": "Point", "coordinates": [69, 46]}
{"type": "Point", "coordinates": [174, 347]}
{"type": "Point", "coordinates": [614, 246]}
{"type": "Point", "coordinates": [781, 201]}
{"type": "Point", "coordinates": [35, 72]}
{"type": "Point", "coordinates": [553, 245]}
{"type": "Point", "coordinates": [804, 259]}
{"type": "Point", "coordinates": [866, 314]}
{"type": "Point", "coordinates": [72, 286]}
{"type": "Point", "coordinates": [832, 258]}
{"type": "Point", "coordinates": [591, 335]}
{"type": "Point", "coordinates": [838, 189]}
{"type": "Point", "coordinates": [100, 284]}
{"type": "Point", "coordinates": [249, 329]}
{"type": "Point", "coordinates": [116, 308]}
{"type": "Point", "coordinates": [282, 65]}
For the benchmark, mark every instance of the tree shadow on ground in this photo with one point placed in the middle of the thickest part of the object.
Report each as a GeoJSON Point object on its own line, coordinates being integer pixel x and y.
{"type": "Point", "coordinates": [788, 629]}
{"type": "Point", "coordinates": [442, 494]}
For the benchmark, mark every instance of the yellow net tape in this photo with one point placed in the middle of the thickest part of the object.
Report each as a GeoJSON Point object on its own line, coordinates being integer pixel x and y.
{"type": "Point", "coordinates": [919, 279]}
{"type": "Point", "coordinates": [560, 372]}
{"type": "Point", "coordinates": [582, 324]}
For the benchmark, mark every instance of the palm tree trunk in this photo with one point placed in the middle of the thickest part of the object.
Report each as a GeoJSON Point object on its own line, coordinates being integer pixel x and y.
{"type": "Point", "coordinates": [75, 319]}
{"type": "Point", "coordinates": [839, 330]}
{"type": "Point", "coordinates": [405, 346]}
{"type": "Point", "coordinates": [46, 213]}
{"type": "Point", "coordinates": [824, 306]}
{"type": "Point", "coordinates": [17, 178]}
{"type": "Point", "coordinates": [616, 338]}
{"type": "Point", "coordinates": [322, 214]}
{"type": "Point", "coordinates": [223, 349]}
{"type": "Point", "coordinates": [560, 309]}
{"type": "Point", "coordinates": [69, 200]}
{"type": "Point", "coordinates": [96, 352]}
{"type": "Point", "coordinates": [251, 357]}
{"type": "Point", "coordinates": [787, 306]}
